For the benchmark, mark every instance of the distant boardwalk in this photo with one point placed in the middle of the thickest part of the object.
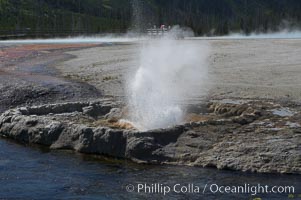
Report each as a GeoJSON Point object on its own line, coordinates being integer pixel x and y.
{"type": "Point", "coordinates": [157, 31]}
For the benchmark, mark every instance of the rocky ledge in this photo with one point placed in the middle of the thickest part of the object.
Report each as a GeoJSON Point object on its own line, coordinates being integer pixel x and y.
{"type": "Point", "coordinates": [248, 136]}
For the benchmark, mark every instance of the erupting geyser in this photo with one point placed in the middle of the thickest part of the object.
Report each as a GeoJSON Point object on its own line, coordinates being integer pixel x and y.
{"type": "Point", "coordinates": [171, 72]}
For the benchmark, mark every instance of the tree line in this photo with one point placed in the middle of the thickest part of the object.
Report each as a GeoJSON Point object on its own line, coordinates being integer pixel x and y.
{"type": "Point", "coordinates": [205, 17]}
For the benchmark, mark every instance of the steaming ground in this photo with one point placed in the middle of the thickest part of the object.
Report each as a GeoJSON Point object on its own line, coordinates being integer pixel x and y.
{"type": "Point", "coordinates": [284, 34]}
{"type": "Point", "coordinates": [73, 40]}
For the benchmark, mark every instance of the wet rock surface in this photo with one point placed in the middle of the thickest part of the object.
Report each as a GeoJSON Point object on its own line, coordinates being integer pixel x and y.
{"type": "Point", "coordinates": [247, 136]}
{"type": "Point", "coordinates": [27, 76]}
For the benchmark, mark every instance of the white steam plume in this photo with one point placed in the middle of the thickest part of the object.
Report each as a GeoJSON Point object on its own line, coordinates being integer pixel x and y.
{"type": "Point", "coordinates": [283, 34]}
{"type": "Point", "coordinates": [171, 71]}
{"type": "Point", "coordinates": [75, 40]}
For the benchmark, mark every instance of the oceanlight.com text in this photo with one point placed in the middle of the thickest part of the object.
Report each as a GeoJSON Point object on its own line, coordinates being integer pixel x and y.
{"type": "Point", "coordinates": [158, 188]}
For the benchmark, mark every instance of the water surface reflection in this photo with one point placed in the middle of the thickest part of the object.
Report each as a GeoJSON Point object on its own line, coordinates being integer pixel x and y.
{"type": "Point", "coordinates": [37, 173]}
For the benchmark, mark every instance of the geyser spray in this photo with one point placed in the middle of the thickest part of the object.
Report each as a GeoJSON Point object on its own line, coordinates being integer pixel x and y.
{"type": "Point", "coordinates": [171, 72]}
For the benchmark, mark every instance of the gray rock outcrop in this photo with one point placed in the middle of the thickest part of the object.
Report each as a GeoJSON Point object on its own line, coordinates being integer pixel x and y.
{"type": "Point", "coordinates": [246, 137]}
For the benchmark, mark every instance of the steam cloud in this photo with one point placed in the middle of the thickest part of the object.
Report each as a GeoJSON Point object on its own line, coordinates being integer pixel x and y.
{"type": "Point", "coordinates": [283, 34]}
{"type": "Point", "coordinates": [171, 71]}
{"type": "Point", "coordinates": [75, 40]}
